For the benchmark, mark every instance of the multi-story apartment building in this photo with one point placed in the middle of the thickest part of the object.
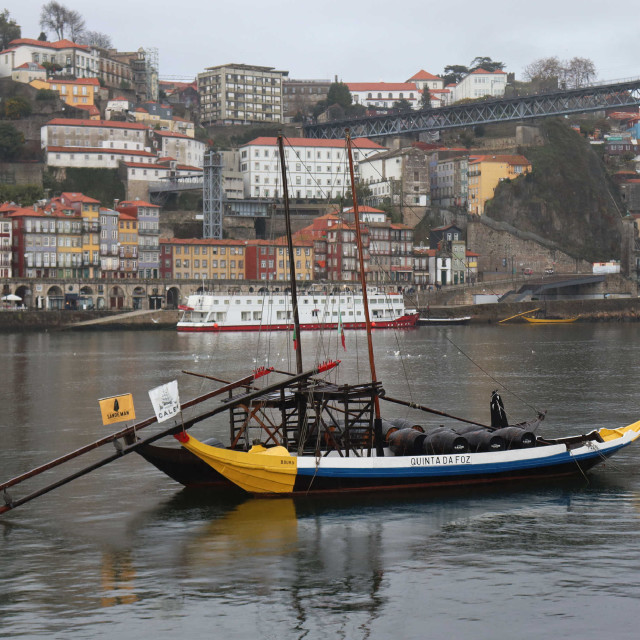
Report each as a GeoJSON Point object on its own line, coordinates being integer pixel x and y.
{"type": "Point", "coordinates": [269, 260]}
{"type": "Point", "coordinates": [384, 94]}
{"type": "Point", "coordinates": [336, 254]}
{"type": "Point", "coordinates": [88, 210]}
{"type": "Point", "coordinates": [104, 134]}
{"type": "Point", "coordinates": [114, 72]}
{"type": "Point", "coordinates": [399, 177]}
{"type": "Point", "coordinates": [205, 259]}
{"type": "Point", "coordinates": [144, 72]}
{"type": "Point", "coordinates": [485, 172]}
{"type": "Point", "coordinates": [64, 56]}
{"type": "Point", "coordinates": [240, 93]}
{"type": "Point", "coordinates": [180, 147]}
{"type": "Point", "coordinates": [148, 217]}
{"type": "Point", "coordinates": [109, 249]}
{"type": "Point", "coordinates": [96, 157]}
{"type": "Point", "coordinates": [127, 246]}
{"type": "Point", "coordinates": [316, 168]}
{"type": "Point", "coordinates": [449, 180]}
{"type": "Point", "coordinates": [299, 97]}
{"type": "Point", "coordinates": [481, 83]}
{"type": "Point", "coordinates": [5, 248]}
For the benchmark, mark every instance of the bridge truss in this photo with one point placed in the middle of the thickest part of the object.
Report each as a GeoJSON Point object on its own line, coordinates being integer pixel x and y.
{"type": "Point", "coordinates": [593, 98]}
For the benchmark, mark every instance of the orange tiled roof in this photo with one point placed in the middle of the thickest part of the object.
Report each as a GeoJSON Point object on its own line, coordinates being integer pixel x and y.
{"type": "Point", "coordinates": [497, 158]}
{"type": "Point", "coordinates": [114, 124]}
{"type": "Point", "coordinates": [424, 75]}
{"type": "Point", "coordinates": [60, 44]}
{"type": "Point", "coordinates": [498, 72]}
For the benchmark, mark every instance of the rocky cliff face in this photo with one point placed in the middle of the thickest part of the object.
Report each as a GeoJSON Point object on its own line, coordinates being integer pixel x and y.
{"type": "Point", "coordinates": [568, 198]}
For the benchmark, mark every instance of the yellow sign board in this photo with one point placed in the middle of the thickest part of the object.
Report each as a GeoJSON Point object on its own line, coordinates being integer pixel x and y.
{"type": "Point", "coordinates": [117, 409]}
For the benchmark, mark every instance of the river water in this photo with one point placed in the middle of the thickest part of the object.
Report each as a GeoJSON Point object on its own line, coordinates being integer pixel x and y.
{"type": "Point", "coordinates": [126, 553]}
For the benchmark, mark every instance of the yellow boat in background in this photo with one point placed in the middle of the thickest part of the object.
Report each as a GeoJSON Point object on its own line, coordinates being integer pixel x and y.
{"type": "Point", "coordinates": [550, 320]}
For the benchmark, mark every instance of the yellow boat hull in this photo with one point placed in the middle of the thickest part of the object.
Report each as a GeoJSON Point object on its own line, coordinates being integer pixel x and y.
{"type": "Point", "coordinates": [259, 470]}
{"type": "Point", "coordinates": [550, 320]}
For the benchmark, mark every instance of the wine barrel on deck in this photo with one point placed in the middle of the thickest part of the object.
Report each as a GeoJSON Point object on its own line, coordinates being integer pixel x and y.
{"type": "Point", "coordinates": [406, 442]}
{"type": "Point", "coordinates": [481, 440]}
{"type": "Point", "coordinates": [440, 441]}
{"type": "Point", "coordinates": [517, 437]}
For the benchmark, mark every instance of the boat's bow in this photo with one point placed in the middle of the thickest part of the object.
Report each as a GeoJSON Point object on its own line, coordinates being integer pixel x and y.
{"type": "Point", "coordinates": [259, 470]}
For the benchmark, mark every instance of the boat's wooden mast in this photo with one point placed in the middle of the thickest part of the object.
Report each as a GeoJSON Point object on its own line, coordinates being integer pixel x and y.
{"type": "Point", "coordinates": [363, 275]}
{"type": "Point", "coordinates": [292, 263]}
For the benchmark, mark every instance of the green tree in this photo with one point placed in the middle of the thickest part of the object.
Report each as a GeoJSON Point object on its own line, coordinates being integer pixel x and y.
{"type": "Point", "coordinates": [425, 99]}
{"type": "Point", "coordinates": [339, 94]}
{"type": "Point", "coordinates": [11, 141]}
{"type": "Point", "coordinates": [486, 63]}
{"type": "Point", "coordinates": [9, 30]}
{"type": "Point", "coordinates": [453, 73]}
{"type": "Point", "coordinates": [16, 108]}
{"type": "Point", "coordinates": [402, 105]}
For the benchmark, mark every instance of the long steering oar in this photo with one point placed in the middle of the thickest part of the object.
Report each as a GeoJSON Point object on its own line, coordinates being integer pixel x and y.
{"type": "Point", "coordinates": [119, 434]}
{"type": "Point", "coordinates": [421, 407]}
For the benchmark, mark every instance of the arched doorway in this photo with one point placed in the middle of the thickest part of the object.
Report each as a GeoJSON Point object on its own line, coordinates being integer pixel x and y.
{"type": "Point", "coordinates": [55, 298]}
{"type": "Point", "coordinates": [24, 292]}
{"type": "Point", "coordinates": [173, 297]}
{"type": "Point", "coordinates": [116, 298]}
{"type": "Point", "coordinates": [139, 294]}
{"type": "Point", "coordinates": [85, 300]}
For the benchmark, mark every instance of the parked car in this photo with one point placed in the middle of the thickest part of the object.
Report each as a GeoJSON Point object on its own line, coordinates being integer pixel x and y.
{"type": "Point", "coordinates": [528, 271]}
{"type": "Point", "coordinates": [550, 271]}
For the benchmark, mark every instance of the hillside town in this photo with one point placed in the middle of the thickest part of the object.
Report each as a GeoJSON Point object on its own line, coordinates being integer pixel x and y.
{"type": "Point", "coordinates": [68, 106]}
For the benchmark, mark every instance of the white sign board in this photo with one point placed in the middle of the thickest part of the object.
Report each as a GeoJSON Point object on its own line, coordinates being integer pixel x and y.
{"type": "Point", "coordinates": [165, 400]}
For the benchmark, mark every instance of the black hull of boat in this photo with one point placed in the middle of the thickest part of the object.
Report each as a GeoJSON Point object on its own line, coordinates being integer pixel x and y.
{"type": "Point", "coordinates": [184, 467]}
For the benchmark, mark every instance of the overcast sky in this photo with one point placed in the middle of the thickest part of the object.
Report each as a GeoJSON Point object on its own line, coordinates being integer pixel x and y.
{"type": "Point", "coordinates": [360, 40]}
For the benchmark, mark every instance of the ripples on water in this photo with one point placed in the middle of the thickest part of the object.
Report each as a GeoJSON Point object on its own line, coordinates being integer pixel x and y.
{"type": "Point", "coordinates": [124, 553]}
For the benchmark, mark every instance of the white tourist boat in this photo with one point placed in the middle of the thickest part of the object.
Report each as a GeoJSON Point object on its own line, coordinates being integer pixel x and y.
{"type": "Point", "coordinates": [274, 311]}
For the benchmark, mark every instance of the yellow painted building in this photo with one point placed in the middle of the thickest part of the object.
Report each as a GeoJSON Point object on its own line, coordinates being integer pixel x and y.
{"type": "Point", "coordinates": [303, 250]}
{"type": "Point", "coordinates": [486, 172]}
{"type": "Point", "coordinates": [208, 259]}
{"type": "Point", "coordinates": [76, 93]}
{"type": "Point", "coordinates": [128, 246]}
{"type": "Point", "coordinates": [89, 210]}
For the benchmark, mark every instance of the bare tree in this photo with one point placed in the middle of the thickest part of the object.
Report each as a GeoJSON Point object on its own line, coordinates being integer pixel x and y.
{"type": "Point", "coordinates": [75, 23]}
{"type": "Point", "coordinates": [96, 39]}
{"type": "Point", "coordinates": [579, 72]}
{"type": "Point", "coordinates": [544, 69]}
{"type": "Point", "coordinates": [57, 18]}
{"type": "Point", "coordinates": [572, 74]}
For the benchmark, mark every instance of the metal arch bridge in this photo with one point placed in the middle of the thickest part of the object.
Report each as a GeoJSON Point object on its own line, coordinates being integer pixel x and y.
{"type": "Point", "coordinates": [596, 97]}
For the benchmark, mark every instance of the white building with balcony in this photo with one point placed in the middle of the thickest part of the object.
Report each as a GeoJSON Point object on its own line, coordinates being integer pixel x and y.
{"type": "Point", "coordinates": [72, 59]}
{"type": "Point", "coordinates": [315, 168]}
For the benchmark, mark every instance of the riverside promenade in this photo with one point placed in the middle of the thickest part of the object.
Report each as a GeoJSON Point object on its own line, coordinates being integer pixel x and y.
{"type": "Point", "coordinates": [599, 310]}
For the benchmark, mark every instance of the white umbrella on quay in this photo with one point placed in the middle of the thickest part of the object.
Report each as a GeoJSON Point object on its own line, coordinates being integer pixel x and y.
{"type": "Point", "coordinates": [12, 297]}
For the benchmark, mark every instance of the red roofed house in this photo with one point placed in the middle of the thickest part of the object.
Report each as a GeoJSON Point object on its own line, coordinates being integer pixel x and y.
{"type": "Point", "coordinates": [28, 71]}
{"type": "Point", "coordinates": [384, 94]}
{"type": "Point", "coordinates": [424, 79]}
{"type": "Point", "coordinates": [76, 60]}
{"type": "Point", "coordinates": [316, 168]}
{"type": "Point", "coordinates": [76, 93]}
